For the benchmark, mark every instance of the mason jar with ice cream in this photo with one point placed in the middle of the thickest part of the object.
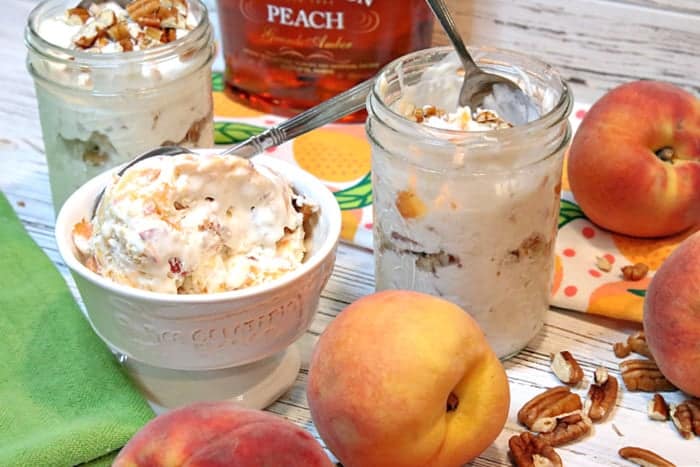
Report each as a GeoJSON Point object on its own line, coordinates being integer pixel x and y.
{"type": "Point", "coordinates": [112, 82]}
{"type": "Point", "coordinates": [466, 204]}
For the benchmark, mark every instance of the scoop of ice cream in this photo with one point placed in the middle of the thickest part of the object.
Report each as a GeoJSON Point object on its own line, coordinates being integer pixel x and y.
{"type": "Point", "coordinates": [195, 224]}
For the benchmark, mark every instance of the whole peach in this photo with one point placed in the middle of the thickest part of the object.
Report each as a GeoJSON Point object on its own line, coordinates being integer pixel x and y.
{"type": "Point", "coordinates": [222, 434]}
{"type": "Point", "coordinates": [634, 163]}
{"type": "Point", "coordinates": [672, 316]}
{"type": "Point", "coordinates": [406, 379]}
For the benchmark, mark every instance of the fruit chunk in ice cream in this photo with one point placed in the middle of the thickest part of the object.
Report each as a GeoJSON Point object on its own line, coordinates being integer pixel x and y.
{"type": "Point", "coordinates": [195, 224]}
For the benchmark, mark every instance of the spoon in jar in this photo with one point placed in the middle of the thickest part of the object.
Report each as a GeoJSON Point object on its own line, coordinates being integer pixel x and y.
{"type": "Point", "coordinates": [481, 89]}
{"type": "Point", "coordinates": [327, 111]}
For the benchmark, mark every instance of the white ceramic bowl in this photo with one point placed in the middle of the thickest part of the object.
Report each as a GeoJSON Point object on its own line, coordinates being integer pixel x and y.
{"type": "Point", "coordinates": [206, 331]}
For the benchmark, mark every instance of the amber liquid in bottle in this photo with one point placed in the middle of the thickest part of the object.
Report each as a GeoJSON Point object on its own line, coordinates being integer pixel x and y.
{"type": "Point", "coordinates": [284, 56]}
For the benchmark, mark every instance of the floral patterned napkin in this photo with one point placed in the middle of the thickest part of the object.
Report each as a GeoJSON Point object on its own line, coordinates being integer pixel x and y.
{"type": "Point", "coordinates": [339, 155]}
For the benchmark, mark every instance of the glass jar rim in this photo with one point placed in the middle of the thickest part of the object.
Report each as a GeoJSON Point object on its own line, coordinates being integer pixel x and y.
{"type": "Point", "coordinates": [559, 111]}
{"type": "Point", "coordinates": [61, 55]}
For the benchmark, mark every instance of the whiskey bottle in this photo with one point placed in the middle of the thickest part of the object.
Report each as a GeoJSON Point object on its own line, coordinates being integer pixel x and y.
{"type": "Point", "coordinates": [284, 56]}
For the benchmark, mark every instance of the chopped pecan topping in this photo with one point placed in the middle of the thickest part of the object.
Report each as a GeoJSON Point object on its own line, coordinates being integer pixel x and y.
{"type": "Point", "coordinates": [635, 272]}
{"type": "Point", "coordinates": [644, 375]}
{"type": "Point", "coordinates": [119, 32]}
{"type": "Point", "coordinates": [602, 395]}
{"type": "Point", "coordinates": [657, 408]}
{"type": "Point", "coordinates": [156, 21]}
{"type": "Point", "coordinates": [81, 13]}
{"type": "Point", "coordinates": [643, 457]}
{"type": "Point", "coordinates": [139, 8]}
{"type": "Point", "coordinates": [686, 418]}
{"type": "Point", "coordinates": [541, 411]}
{"type": "Point", "coordinates": [568, 428]}
{"type": "Point", "coordinates": [566, 368]}
{"type": "Point", "coordinates": [528, 450]}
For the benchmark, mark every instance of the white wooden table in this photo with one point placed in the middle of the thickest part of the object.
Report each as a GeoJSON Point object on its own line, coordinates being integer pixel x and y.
{"type": "Point", "coordinates": [596, 43]}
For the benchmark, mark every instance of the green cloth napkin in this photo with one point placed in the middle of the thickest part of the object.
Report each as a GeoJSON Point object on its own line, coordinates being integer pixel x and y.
{"type": "Point", "coordinates": [64, 399]}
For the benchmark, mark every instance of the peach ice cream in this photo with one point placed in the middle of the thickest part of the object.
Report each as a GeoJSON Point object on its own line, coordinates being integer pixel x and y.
{"type": "Point", "coordinates": [195, 224]}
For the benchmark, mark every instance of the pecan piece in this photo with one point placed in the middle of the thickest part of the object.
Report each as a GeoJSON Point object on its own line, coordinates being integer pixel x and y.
{"type": "Point", "coordinates": [657, 408]}
{"type": "Point", "coordinates": [528, 450]}
{"type": "Point", "coordinates": [644, 375]}
{"type": "Point", "coordinates": [566, 368]}
{"type": "Point", "coordinates": [551, 403]}
{"type": "Point", "coordinates": [686, 418]}
{"type": "Point", "coordinates": [603, 264]}
{"type": "Point", "coordinates": [643, 457]}
{"type": "Point", "coordinates": [81, 14]}
{"type": "Point", "coordinates": [602, 395]}
{"type": "Point", "coordinates": [638, 344]}
{"type": "Point", "coordinates": [140, 8]}
{"type": "Point", "coordinates": [621, 350]}
{"type": "Point", "coordinates": [568, 428]}
{"type": "Point", "coordinates": [634, 272]}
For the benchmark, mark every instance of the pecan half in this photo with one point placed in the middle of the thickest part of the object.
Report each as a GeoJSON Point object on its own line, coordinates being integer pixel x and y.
{"type": "Point", "coordinates": [644, 375]}
{"type": "Point", "coordinates": [566, 368]}
{"type": "Point", "coordinates": [568, 428]}
{"type": "Point", "coordinates": [686, 418]}
{"type": "Point", "coordinates": [657, 408]}
{"type": "Point", "coordinates": [643, 457]}
{"type": "Point", "coordinates": [528, 450]}
{"type": "Point", "coordinates": [602, 395]}
{"type": "Point", "coordinates": [638, 344]}
{"type": "Point", "coordinates": [635, 272]}
{"type": "Point", "coordinates": [549, 404]}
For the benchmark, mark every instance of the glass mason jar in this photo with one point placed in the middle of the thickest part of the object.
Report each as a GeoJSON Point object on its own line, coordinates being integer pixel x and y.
{"type": "Point", "coordinates": [100, 110]}
{"type": "Point", "coordinates": [288, 55]}
{"type": "Point", "coordinates": [470, 216]}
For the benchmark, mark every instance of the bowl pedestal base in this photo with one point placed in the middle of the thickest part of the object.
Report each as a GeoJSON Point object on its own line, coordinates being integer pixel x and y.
{"type": "Point", "coordinates": [255, 385]}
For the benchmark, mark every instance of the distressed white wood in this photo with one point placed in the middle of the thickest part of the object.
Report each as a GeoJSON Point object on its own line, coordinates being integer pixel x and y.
{"type": "Point", "coordinates": [595, 44]}
{"type": "Point", "coordinates": [599, 42]}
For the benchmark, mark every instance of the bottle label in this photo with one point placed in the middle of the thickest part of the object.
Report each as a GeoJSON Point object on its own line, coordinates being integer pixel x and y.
{"type": "Point", "coordinates": [314, 37]}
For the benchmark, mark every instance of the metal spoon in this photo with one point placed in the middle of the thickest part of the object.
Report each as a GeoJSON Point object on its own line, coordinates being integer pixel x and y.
{"type": "Point", "coordinates": [481, 89]}
{"type": "Point", "coordinates": [327, 111]}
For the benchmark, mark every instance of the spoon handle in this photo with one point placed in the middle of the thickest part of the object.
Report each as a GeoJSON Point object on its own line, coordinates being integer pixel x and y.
{"type": "Point", "coordinates": [448, 25]}
{"type": "Point", "coordinates": [328, 111]}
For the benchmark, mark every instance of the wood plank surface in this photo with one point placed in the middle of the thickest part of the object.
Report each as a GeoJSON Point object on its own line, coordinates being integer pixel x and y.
{"type": "Point", "coordinates": [596, 44]}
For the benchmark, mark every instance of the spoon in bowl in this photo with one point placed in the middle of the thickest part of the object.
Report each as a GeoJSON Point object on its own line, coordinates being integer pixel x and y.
{"type": "Point", "coordinates": [327, 111]}
{"type": "Point", "coordinates": [479, 88]}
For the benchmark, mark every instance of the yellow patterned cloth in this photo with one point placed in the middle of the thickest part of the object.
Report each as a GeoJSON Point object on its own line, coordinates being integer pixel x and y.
{"type": "Point", "coordinates": [339, 155]}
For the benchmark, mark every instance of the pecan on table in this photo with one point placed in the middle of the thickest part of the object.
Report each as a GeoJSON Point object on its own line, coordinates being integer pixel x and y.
{"type": "Point", "coordinates": [566, 368]}
{"type": "Point", "coordinates": [644, 375]}
{"type": "Point", "coordinates": [568, 428]}
{"type": "Point", "coordinates": [657, 408]}
{"type": "Point", "coordinates": [686, 418]}
{"type": "Point", "coordinates": [602, 395]}
{"type": "Point", "coordinates": [643, 457]}
{"type": "Point", "coordinates": [528, 450]}
{"type": "Point", "coordinates": [539, 414]}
